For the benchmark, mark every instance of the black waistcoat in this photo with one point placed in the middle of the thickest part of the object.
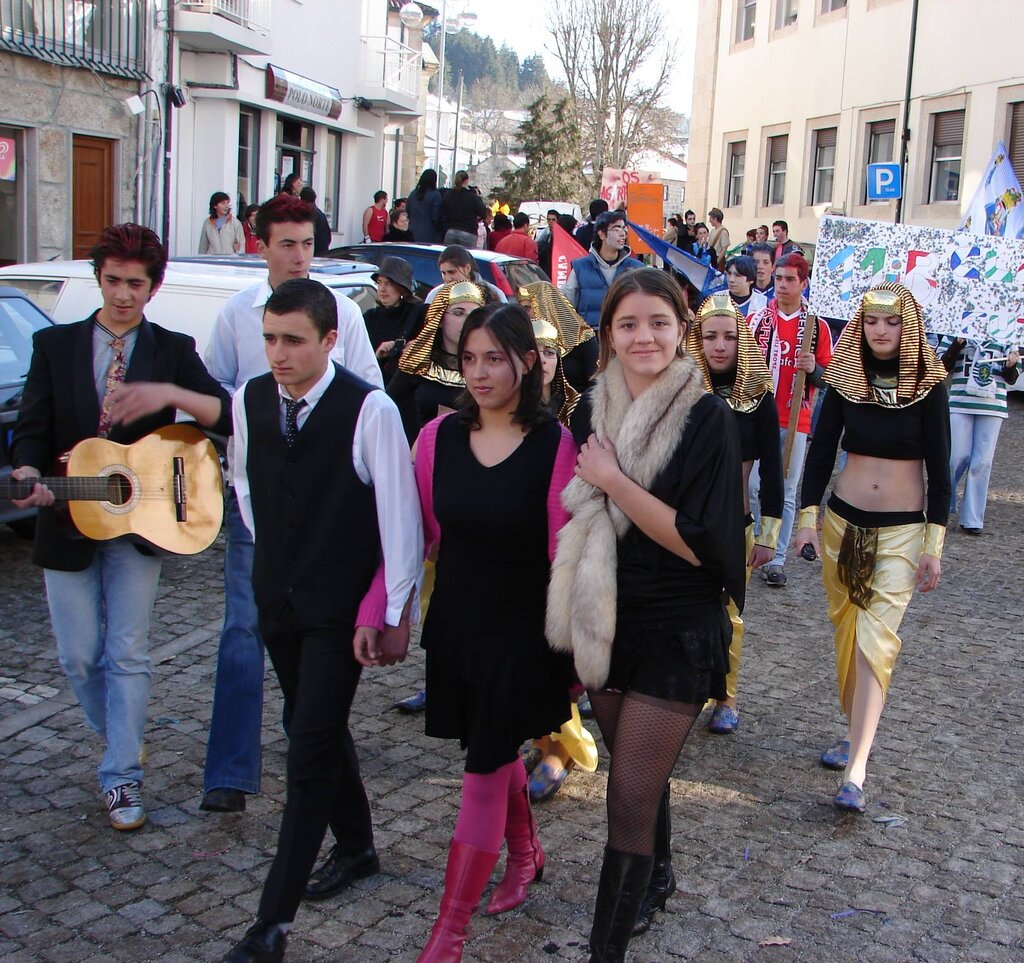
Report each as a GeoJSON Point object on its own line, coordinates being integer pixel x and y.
{"type": "Point", "coordinates": [317, 540]}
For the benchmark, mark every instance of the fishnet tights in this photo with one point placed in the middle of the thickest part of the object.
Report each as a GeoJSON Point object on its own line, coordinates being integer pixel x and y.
{"type": "Point", "coordinates": [644, 737]}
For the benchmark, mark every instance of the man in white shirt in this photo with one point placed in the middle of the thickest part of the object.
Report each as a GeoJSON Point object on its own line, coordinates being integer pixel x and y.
{"type": "Point", "coordinates": [285, 229]}
{"type": "Point", "coordinates": [325, 484]}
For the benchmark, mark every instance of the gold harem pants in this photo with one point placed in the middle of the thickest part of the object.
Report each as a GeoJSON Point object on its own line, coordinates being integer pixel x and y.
{"type": "Point", "coordinates": [877, 568]}
{"type": "Point", "coordinates": [736, 645]}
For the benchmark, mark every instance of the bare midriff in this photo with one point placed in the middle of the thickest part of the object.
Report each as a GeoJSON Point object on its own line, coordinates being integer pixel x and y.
{"type": "Point", "coordinates": [882, 484]}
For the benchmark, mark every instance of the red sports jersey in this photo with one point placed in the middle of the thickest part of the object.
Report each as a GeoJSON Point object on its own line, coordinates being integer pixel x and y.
{"type": "Point", "coordinates": [779, 339]}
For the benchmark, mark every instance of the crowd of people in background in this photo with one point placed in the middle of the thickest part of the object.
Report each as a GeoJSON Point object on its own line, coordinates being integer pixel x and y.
{"type": "Point", "coordinates": [646, 442]}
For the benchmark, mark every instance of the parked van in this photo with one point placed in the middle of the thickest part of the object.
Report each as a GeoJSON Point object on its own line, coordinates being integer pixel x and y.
{"type": "Point", "coordinates": [190, 297]}
{"type": "Point", "coordinates": [537, 211]}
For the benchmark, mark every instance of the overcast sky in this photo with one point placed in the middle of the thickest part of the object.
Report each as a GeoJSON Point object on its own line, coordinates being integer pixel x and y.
{"type": "Point", "coordinates": [522, 24]}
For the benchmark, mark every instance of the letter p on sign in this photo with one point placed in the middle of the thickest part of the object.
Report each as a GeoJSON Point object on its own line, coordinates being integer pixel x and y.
{"type": "Point", "coordinates": [884, 182]}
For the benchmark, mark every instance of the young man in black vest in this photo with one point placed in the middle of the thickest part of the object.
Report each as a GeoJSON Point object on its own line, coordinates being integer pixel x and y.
{"type": "Point", "coordinates": [325, 484]}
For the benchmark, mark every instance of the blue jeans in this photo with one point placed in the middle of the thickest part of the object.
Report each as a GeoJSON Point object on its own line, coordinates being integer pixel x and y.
{"type": "Point", "coordinates": [790, 490]}
{"type": "Point", "coordinates": [100, 618]}
{"type": "Point", "coordinates": [972, 447]}
{"type": "Point", "coordinates": [233, 752]}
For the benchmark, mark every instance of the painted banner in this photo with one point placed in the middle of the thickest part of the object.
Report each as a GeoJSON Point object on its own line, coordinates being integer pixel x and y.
{"type": "Point", "coordinates": [996, 207]}
{"type": "Point", "coordinates": [968, 286]}
{"type": "Point", "coordinates": [646, 206]}
{"type": "Point", "coordinates": [615, 183]}
{"type": "Point", "coordinates": [703, 277]}
{"type": "Point", "coordinates": [564, 250]}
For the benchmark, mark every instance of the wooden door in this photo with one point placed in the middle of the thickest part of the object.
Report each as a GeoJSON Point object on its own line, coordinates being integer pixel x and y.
{"type": "Point", "coordinates": [92, 191]}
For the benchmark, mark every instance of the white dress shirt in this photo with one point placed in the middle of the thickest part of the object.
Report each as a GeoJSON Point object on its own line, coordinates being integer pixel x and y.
{"type": "Point", "coordinates": [380, 457]}
{"type": "Point", "coordinates": [236, 353]}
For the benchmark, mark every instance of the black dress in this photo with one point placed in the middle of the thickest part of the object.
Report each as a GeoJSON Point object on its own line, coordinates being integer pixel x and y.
{"type": "Point", "coordinates": [672, 632]}
{"type": "Point", "coordinates": [492, 679]}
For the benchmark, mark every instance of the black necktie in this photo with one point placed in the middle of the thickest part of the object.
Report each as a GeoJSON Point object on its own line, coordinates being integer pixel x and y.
{"type": "Point", "coordinates": [291, 419]}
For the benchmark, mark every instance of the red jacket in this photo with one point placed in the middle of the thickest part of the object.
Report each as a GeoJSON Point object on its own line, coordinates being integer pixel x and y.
{"type": "Point", "coordinates": [518, 244]}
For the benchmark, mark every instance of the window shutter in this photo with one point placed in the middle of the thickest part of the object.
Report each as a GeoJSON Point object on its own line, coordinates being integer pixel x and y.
{"type": "Point", "coordinates": [826, 137]}
{"type": "Point", "coordinates": [883, 127]}
{"type": "Point", "coordinates": [779, 148]}
{"type": "Point", "coordinates": [949, 129]}
{"type": "Point", "coordinates": [1016, 139]}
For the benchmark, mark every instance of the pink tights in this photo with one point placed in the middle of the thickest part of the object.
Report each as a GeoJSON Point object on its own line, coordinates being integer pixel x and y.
{"type": "Point", "coordinates": [484, 806]}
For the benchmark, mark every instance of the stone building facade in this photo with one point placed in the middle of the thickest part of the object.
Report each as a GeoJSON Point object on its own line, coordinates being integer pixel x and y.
{"type": "Point", "coordinates": [69, 147]}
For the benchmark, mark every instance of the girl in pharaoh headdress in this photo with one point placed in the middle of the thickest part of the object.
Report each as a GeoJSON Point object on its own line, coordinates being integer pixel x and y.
{"type": "Point", "coordinates": [884, 525]}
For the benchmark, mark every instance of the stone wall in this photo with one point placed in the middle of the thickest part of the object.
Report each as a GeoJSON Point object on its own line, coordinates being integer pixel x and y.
{"type": "Point", "coordinates": [53, 103]}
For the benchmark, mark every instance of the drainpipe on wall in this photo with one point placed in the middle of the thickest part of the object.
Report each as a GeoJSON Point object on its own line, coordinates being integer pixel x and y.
{"type": "Point", "coordinates": [905, 132]}
{"type": "Point", "coordinates": [168, 123]}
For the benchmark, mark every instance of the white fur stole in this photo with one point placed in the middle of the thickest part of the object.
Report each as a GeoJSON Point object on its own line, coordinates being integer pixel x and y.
{"type": "Point", "coordinates": [645, 431]}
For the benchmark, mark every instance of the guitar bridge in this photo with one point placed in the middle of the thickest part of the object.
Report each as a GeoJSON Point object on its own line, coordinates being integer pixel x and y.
{"type": "Point", "coordinates": [180, 490]}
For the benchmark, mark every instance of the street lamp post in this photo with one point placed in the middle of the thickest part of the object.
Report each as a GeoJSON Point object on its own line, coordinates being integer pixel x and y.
{"type": "Point", "coordinates": [458, 21]}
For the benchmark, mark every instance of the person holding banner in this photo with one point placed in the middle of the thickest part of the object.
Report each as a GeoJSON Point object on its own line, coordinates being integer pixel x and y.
{"type": "Point", "coordinates": [977, 410]}
{"type": "Point", "coordinates": [779, 332]}
{"type": "Point", "coordinates": [607, 260]}
{"type": "Point", "coordinates": [884, 526]}
{"type": "Point", "coordinates": [733, 368]}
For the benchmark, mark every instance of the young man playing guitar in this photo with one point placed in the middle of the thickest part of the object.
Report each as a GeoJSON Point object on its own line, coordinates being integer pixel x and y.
{"type": "Point", "coordinates": [114, 375]}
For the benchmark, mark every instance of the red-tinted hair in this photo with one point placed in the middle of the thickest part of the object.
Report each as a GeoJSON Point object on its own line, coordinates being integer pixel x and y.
{"type": "Point", "coordinates": [131, 242]}
{"type": "Point", "coordinates": [795, 260]}
{"type": "Point", "coordinates": [282, 209]}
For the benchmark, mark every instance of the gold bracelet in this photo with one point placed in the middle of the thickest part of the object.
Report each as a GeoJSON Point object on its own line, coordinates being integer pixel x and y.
{"type": "Point", "coordinates": [769, 536]}
{"type": "Point", "coordinates": [808, 517]}
{"type": "Point", "coordinates": [934, 537]}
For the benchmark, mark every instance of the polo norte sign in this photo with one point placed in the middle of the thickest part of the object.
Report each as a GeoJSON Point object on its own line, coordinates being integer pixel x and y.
{"type": "Point", "coordinates": [298, 91]}
{"type": "Point", "coordinates": [967, 285]}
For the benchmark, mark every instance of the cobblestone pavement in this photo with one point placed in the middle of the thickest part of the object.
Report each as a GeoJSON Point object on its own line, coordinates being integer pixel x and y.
{"type": "Point", "coordinates": [762, 856]}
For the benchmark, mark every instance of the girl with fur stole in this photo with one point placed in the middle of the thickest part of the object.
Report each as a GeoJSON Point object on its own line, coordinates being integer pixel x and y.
{"type": "Point", "coordinates": [636, 594]}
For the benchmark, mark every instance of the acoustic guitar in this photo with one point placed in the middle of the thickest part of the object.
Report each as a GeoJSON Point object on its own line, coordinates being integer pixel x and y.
{"type": "Point", "coordinates": [165, 489]}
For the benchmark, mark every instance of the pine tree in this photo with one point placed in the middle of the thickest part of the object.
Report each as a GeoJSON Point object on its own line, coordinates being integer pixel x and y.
{"type": "Point", "coordinates": [551, 146]}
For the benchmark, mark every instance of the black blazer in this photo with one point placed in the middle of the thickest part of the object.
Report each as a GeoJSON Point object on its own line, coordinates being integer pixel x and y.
{"type": "Point", "coordinates": [59, 408]}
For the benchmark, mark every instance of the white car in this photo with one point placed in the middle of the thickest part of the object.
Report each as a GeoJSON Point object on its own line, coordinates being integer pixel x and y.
{"type": "Point", "coordinates": [189, 299]}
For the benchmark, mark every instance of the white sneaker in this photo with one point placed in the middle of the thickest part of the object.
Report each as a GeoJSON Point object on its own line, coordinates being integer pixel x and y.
{"type": "Point", "coordinates": [124, 806]}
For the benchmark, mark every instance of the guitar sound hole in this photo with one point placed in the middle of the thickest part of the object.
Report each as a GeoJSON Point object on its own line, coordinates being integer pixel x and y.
{"type": "Point", "coordinates": [119, 489]}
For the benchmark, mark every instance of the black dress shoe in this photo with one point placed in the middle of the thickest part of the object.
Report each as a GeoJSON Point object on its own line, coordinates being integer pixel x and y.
{"type": "Point", "coordinates": [660, 888]}
{"type": "Point", "coordinates": [970, 531]}
{"type": "Point", "coordinates": [263, 943]}
{"type": "Point", "coordinates": [223, 800]}
{"type": "Point", "coordinates": [340, 870]}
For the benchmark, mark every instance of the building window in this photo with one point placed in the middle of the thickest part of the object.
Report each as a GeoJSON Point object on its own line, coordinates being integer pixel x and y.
{"type": "Point", "coordinates": [824, 165]}
{"type": "Point", "coordinates": [785, 13]}
{"type": "Point", "coordinates": [737, 162]}
{"type": "Point", "coordinates": [332, 162]}
{"type": "Point", "coordinates": [248, 158]}
{"type": "Point", "coordinates": [775, 182]}
{"type": "Point", "coordinates": [294, 151]}
{"type": "Point", "coordinates": [745, 15]}
{"type": "Point", "coordinates": [880, 144]}
{"type": "Point", "coordinates": [12, 205]}
{"type": "Point", "coordinates": [947, 148]}
{"type": "Point", "coordinates": [1015, 142]}
{"type": "Point", "coordinates": [830, 6]}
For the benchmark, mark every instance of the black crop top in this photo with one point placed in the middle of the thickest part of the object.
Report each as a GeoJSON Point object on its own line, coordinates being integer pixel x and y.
{"type": "Point", "coordinates": [759, 440]}
{"type": "Point", "coordinates": [915, 432]}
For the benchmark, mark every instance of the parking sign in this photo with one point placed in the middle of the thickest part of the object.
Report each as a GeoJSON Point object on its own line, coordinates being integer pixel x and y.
{"type": "Point", "coordinates": [884, 182]}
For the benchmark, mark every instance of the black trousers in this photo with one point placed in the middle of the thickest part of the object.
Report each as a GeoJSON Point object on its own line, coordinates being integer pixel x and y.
{"type": "Point", "coordinates": [318, 674]}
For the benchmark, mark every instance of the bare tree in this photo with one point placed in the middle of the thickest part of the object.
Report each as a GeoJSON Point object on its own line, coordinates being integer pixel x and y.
{"type": "Point", "coordinates": [603, 47]}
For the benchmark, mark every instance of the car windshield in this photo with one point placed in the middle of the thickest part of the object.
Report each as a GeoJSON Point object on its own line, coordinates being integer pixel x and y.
{"type": "Point", "coordinates": [521, 273]}
{"type": "Point", "coordinates": [19, 320]}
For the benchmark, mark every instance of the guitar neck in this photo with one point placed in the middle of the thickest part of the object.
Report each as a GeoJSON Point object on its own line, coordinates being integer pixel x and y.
{"type": "Point", "coordinates": [101, 488]}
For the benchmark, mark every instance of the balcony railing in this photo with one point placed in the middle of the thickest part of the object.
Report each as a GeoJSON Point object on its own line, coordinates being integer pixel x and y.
{"type": "Point", "coordinates": [252, 14]}
{"type": "Point", "coordinates": [108, 36]}
{"type": "Point", "coordinates": [391, 65]}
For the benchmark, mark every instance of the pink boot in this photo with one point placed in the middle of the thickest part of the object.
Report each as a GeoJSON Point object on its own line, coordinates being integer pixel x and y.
{"type": "Point", "coordinates": [467, 874]}
{"type": "Point", "coordinates": [525, 862]}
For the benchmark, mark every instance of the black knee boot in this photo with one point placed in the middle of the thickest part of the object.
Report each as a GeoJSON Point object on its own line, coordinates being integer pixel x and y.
{"type": "Point", "coordinates": [663, 879]}
{"type": "Point", "coordinates": [624, 881]}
